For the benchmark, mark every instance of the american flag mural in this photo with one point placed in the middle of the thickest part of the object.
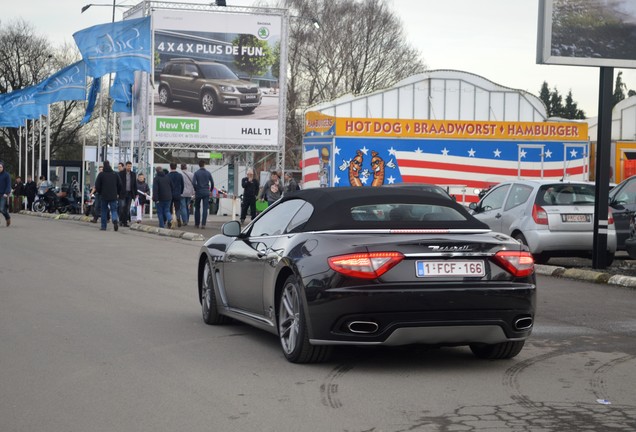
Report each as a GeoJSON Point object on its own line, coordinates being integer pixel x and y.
{"type": "Point", "coordinates": [462, 165]}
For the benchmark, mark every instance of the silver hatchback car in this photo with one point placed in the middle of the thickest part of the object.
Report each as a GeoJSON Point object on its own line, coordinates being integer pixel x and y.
{"type": "Point", "coordinates": [552, 218]}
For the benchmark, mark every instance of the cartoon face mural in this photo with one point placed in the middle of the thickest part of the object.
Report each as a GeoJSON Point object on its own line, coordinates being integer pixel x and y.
{"type": "Point", "coordinates": [377, 167]}
{"type": "Point", "coordinates": [355, 167]}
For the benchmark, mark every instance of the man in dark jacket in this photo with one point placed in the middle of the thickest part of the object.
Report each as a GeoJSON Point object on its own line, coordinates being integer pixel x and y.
{"type": "Point", "coordinates": [129, 189]}
{"type": "Point", "coordinates": [5, 191]}
{"type": "Point", "coordinates": [250, 191]}
{"type": "Point", "coordinates": [31, 190]}
{"type": "Point", "coordinates": [108, 186]}
{"type": "Point", "coordinates": [203, 184]}
{"type": "Point", "coordinates": [176, 184]}
{"type": "Point", "coordinates": [162, 195]}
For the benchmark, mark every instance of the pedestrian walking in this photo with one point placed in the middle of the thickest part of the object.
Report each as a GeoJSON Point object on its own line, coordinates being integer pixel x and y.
{"type": "Point", "coordinates": [5, 191]}
{"type": "Point", "coordinates": [176, 184]}
{"type": "Point", "coordinates": [250, 191]}
{"type": "Point", "coordinates": [203, 184]}
{"type": "Point", "coordinates": [143, 196]}
{"type": "Point", "coordinates": [108, 186]}
{"type": "Point", "coordinates": [30, 190]}
{"type": "Point", "coordinates": [129, 189]}
{"type": "Point", "coordinates": [290, 183]}
{"type": "Point", "coordinates": [18, 195]}
{"type": "Point", "coordinates": [162, 195]}
{"type": "Point", "coordinates": [97, 202]}
{"type": "Point", "coordinates": [187, 195]}
{"type": "Point", "coordinates": [272, 189]}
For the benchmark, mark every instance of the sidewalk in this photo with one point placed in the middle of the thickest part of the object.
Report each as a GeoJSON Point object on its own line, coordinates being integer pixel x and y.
{"type": "Point", "coordinates": [214, 223]}
{"type": "Point", "coordinates": [212, 226]}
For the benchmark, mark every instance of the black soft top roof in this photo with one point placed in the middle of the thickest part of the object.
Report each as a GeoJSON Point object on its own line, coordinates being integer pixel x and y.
{"type": "Point", "coordinates": [332, 208]}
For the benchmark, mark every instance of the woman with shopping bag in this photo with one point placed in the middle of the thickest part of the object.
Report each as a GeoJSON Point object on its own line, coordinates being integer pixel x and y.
{"type": "Point", "coordinates": [142, 197]}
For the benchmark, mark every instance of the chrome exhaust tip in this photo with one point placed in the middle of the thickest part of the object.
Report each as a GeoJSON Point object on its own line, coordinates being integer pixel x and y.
{"type": "Point", "coordinates": [364, 327]}
{"type": "Point", "coordinates": [523, 323]}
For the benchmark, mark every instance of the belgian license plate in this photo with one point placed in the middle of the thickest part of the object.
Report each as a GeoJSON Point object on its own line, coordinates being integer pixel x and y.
{"type": "Point", "coordinates": [449, 268]}
{"type": "Point", "coordinates": [250, 97]}
{"type": "Point", "coordinates": [575, 217]}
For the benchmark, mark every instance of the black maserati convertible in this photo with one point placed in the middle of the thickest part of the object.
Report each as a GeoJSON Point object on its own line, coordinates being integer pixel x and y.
{"type": "Point", "coordinates": [370, 266]}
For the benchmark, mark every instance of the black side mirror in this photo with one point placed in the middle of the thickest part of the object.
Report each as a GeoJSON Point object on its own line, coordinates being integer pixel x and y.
{"type": "Point", "coordinates": [473, 206]}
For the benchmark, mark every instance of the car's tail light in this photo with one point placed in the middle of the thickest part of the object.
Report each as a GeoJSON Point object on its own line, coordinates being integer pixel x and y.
{"type": "Point", "coordinates": [517, 263]}
{"type": "Point", "coordinates": [539, 215]}
{"type": "Point", "coordinates": [368, 265]}
{"type": "Point", "coordinates": [610, 216]}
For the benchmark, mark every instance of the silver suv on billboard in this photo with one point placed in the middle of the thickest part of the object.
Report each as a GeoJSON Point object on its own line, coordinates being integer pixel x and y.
{"type": "Point", "coordinates": [213, 85]}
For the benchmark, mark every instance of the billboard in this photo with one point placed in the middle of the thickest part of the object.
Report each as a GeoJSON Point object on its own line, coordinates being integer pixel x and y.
{"type": "Point", "coordinates": [217, 78]}
{"type": "Point", "coordinates": [587, 33]}
{"type": "Point", "coordinates": [460, 155]}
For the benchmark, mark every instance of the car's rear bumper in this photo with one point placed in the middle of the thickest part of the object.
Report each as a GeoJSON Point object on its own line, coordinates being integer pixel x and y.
{"type": "Point", "coordinates": [448, 316]}
{"type": "Point", "coordinates": [564, 241]}
{"type": "Point", "coordinates": [630, 247]}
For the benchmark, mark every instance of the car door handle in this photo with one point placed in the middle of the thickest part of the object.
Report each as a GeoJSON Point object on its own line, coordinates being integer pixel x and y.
{"type": "Point", "coordinates": [498, 215]}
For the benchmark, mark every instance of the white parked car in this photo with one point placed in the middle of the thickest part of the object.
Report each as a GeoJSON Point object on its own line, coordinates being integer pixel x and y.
{"type": "Point", "coordinates": [552, 218]}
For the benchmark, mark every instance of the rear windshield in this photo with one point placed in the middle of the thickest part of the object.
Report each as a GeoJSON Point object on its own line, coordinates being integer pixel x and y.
{"type": "Point", "coordinates": [403, 212]}
{"type": "Point", "coordinates": [565, 194]}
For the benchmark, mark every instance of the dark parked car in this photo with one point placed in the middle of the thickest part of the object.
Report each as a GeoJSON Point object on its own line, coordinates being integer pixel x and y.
{"type": "Point", "coordinates": [370, 266]}
{"type": "Point", "coordinates": [213, 85]}
{"type": "Point", "coordinates": [622, 200]}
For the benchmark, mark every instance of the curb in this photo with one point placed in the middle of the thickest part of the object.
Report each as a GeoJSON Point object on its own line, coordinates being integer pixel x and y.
{"type": "Point", "coordinates": [586, 275]}
{"type": "Point", "coordinates": [135, 226]}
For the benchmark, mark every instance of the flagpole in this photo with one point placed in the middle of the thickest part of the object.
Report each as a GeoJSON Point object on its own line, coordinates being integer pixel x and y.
{"type": "Point", "coordinates": [132, 117]}
{"type": "Point", "coordinates": [26, 148]}
{"type": "Point", "coordinates": [40, 151]}
{"type": "Point", "coordinates": [20, 152]}
{"type": "Point", "coordinates": [113, 132]}
{"type": "Point", "coordinates": [99, 135]}
{"type": "Point", "coordinates": [33, 148]}
{"type": "Point", "coordinates": [83, 176]}
{"type": "Point", "coordinates": [48, 137]}
{"type": "Point", "coordinates": [150, 92]}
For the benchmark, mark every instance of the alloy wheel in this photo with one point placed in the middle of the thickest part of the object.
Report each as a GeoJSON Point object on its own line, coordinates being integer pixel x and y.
{"type": "Point", "coordinates": [289, 318]}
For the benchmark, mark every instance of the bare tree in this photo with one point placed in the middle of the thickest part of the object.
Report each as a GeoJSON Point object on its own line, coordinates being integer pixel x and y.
{"type": "Point", "coordinates": [26, 59]}
{"type": "Point", "coordinates": [360, 47]}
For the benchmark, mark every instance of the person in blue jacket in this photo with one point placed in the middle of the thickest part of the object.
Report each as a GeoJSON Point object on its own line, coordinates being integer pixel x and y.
{"type": "Point", "coordinates": [203, 184]}
{"type": "Point", "coordinates": [5, 192]}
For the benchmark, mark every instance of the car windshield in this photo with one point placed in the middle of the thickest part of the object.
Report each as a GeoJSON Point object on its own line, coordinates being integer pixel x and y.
{"type": "Point", "coordinates": [217, 71]}
{"type": "Point", "coordinates": [565, 194]}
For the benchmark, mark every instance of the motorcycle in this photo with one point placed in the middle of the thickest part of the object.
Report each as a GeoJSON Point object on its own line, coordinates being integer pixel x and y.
{"type": "Point", "coordinates": [52, 200]}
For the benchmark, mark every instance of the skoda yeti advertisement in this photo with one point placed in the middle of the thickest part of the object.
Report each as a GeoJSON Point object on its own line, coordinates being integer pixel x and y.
{"type": "Point", "coordinates": [217, 77]}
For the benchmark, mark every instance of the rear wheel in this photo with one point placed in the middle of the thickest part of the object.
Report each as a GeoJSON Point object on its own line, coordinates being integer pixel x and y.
{"type": "Point", "coordinates": [209, 103]}
{"type": "Point", "coordinates": [164, 96]}
{"type": "Point", "coordinates": [292, 327]}
{"type": "Point", "coordinates": [610, 259]}
{"type": "Point", "coordinates": [503, 350]}
{"type": "Point", "coordinates": [539, 258]}
{"type": "Point", "coordinates": [209, 310]}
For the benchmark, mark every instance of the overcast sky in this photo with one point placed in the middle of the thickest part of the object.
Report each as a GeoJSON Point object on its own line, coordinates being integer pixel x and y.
{"type": "Point", "coordinates": [492, 38]}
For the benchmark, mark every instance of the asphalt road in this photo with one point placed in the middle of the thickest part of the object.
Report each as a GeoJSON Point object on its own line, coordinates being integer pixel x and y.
{"type": "Point", "coordinates": [101, 331]}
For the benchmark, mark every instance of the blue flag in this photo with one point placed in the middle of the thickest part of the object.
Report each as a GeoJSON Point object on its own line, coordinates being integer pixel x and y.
{"type": "Point", "coordinates": [113, 47]}
{"type": "Point", "coordinates": [65, 85]}
{"type": "Point", "coordinates": [10, 122]}
{"type": "Point", "coordinates": [23, 105]}
{"type": "Point", "coordinates": [121, 91]}
{"type": "Point", "coordinates": [92, 97]}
